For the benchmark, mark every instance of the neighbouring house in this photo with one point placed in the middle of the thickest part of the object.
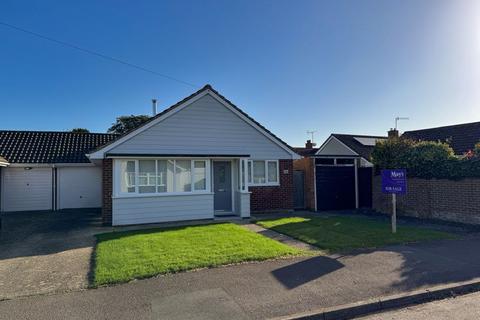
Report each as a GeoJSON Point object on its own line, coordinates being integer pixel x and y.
{"type": "Point", "coordinates": [49, 170]}
{"type": "Point", "coordinates": [201, 158]}
{"type": "Point", "coordinates": [337, 175]}
{"type": "Point", "coordinates": [461, 137]}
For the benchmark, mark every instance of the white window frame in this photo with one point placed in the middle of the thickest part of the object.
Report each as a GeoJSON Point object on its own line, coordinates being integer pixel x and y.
{"type": "Point", "coordinates": [118, 178]}
{"type": "Point", "coordinates": [266, 183]}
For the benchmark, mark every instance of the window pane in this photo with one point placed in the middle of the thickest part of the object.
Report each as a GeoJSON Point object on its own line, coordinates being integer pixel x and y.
{"type": "Point", "coordinates": [146, 176]}
{"type": "Point", "coordinates": [345, 161]}
{"type": "Point", "coordinates": [165, 176]}
{"type": "Point", "coordinates": [324, 161]}
{"type": "Point", "coordinates": [127, 183]}
{"type": "Point", "coordinates": [258, 172]}
{"type": "Point", "coordinates": [249, 171]}
{"type": "Point", "coordinates": [272, 171]}
{"type": "Point", "coordinates": [200, 179]}
{"type": "Point", "coordinates": [183, 176]}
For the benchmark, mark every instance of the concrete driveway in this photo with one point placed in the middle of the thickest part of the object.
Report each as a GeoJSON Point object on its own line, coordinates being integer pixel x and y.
{"type": "Point", "coordinates": [44, 252]}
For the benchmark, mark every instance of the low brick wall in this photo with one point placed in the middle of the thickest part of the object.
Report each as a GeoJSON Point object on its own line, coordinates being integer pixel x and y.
{"type": "Point", "coordinates": [276, 198]}
{"type": "Point", "coordinates": [450, 200]}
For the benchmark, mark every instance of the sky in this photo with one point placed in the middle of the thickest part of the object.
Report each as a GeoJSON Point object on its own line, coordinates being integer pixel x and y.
{"type": "Point", "coordinates": [328, 66]}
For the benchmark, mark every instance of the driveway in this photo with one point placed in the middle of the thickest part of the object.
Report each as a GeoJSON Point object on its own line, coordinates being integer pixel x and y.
{"type": "Point", "coordinates": [44, 252]}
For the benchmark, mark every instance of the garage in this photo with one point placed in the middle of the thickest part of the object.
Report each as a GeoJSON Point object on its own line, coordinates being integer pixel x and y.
{"type": "Point", "coordinates": [338, 174]}
{"type": "Point", "coordinates": [27, 189]}
{"type": "Point", "coordinates": [339, 187]}
{"type": "Point", "coordinates": [79, 187]}
{"type": "Point", "coordinates": [49, 170]}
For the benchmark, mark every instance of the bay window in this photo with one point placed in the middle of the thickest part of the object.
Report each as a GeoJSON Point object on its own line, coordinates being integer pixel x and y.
{"type": "Point", "coordinates": [263, 172]}
{"type": "Point", "coordinates": [162, 176]}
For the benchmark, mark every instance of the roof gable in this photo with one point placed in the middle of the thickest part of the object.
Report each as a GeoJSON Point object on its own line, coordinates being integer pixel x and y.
{"type": "Point", "coordinates": [212, 113]}
{"type": "Point", "coordinates": [348, 144]}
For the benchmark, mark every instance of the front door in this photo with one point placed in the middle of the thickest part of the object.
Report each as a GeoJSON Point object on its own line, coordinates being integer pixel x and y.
{"type": "Point", "coordinates": [222, 186]}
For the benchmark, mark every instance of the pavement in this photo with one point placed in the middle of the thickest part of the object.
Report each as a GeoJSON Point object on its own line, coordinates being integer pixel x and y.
{"type": "Point", "coordinates": [271, 289]}
{"type": "Point", "coordinates": [460, 308]}
{"type": "Point", "coordinates": [45, 252]}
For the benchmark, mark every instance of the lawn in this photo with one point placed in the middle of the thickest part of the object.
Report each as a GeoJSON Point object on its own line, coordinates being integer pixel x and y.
{"type": "Point", "coordinates": [123, 256]}
{"type": "Point", "coordinates": [341, 233]}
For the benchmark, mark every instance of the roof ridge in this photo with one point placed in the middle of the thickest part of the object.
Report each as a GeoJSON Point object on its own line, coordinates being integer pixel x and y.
{"type": "Point", "coordinates": [51, 131]}
{"type": "Point", "coordinates": [358, 135]}
{"type": "Point", "coordinates": [447, 126]}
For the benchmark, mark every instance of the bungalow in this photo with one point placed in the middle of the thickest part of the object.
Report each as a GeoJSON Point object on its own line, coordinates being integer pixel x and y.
{"type": "Point", "coordinates": [201, 158]}
{"type": "Point", "coordinates": [338, 174]}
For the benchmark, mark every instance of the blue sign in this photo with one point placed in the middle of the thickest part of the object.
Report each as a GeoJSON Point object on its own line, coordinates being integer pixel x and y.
{"type": "Point", "coordinates": [394, 181]}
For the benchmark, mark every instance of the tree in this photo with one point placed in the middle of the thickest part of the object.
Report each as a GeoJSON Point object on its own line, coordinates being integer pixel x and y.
{"type": "Point", "coordinates": [127, 123]}
{"type": "Point", "coordinates": [80, 130]}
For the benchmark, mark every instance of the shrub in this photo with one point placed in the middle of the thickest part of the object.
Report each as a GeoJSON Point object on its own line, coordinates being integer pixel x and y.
{"type": "Point", "coordinates": [425, 159]}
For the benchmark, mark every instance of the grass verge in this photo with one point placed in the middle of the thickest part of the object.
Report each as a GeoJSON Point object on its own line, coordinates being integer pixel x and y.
{"type": "Point", "coordinates": [342, 233]}
{"type": "Point", "coordinates": [123, 256]}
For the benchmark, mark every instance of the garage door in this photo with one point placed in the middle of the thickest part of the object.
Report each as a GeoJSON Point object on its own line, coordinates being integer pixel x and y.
{"type": "Point", "coordinates": [27, 190]}
{"type": "Point", "coordinates": [335, 188]}
{"type": "Point", "coordinates": [79, 187]}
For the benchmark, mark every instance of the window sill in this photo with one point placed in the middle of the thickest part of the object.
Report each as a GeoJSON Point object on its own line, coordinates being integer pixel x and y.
{"type": "Point", "coordinates": [265, 185]}
{"type": "Point", "coordinates": [157, 195]}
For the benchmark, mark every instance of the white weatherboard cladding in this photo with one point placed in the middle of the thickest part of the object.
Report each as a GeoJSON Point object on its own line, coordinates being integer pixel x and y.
{"type": "Point", "coordinates": [203, 127]}
{"type": "Point", "coordinates": [154, 209]}
{"type": "Point", "coordinates": [335, 147]}
{"type": "Point", "coordinates": [79, 187]}
{"type": "Point", "coordinates": [26, 190]}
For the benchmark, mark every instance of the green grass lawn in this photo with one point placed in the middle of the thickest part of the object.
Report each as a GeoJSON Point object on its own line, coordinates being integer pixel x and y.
{"type": "Point", "coordinates": [341, 233]}
{"type": "Point", "coordinates": [123, 256]}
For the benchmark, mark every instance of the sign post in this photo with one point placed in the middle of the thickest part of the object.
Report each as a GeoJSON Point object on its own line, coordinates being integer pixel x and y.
{"type": "Point", "coordinates": [394, 182]}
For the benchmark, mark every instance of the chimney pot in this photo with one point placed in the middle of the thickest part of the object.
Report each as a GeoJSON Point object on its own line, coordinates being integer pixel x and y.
{"type": "Point", "coordinates": [309, 144]}
{"type": "Point", "coordinates": [154, 107]}
{"type": "Point", "coordinates": [393, 134]}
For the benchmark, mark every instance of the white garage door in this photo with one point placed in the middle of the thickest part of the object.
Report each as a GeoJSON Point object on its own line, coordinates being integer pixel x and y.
{"type": "Point", "coordinates": [25, 190]}
{"type": "Point", "coordinates": [79, 187]}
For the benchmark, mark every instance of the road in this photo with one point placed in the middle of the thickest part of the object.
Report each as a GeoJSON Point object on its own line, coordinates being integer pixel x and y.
{"type": "Point", "coordinates": [460, 308]}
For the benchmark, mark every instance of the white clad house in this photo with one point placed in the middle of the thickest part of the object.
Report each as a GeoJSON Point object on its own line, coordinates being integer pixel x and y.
{"type": "Point", "coordinates": [201, 158]}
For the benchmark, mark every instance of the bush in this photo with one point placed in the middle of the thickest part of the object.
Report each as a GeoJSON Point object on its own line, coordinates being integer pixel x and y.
{"type": "Point", "coordinates": [424, 159]}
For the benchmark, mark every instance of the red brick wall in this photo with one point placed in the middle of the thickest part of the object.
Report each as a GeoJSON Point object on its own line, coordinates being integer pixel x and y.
{"type": "Point", "coordinates": [107, 185]}
{"type": "Point", "coordinates": [274, 198]}
{"type": "Point", "coordinates": [306, 165]}
{"type": "Point", "coordinates": [436, 199]}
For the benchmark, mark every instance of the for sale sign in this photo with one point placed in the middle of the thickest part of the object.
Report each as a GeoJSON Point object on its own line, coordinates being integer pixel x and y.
{"type": "Point", "coordinates": [394, 181]}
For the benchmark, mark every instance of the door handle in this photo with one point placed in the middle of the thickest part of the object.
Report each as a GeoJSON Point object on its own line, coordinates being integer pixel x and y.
{"type": "Point", "coordinates": [221, 190]}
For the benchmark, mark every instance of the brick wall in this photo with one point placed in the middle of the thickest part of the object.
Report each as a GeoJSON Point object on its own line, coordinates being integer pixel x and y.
{"type": "Point", "coordinates": [306, 165]}
{"type": "Point", "coordinates": [275, 198]}
{"type": "Point", "coordinates": [435, 199]}
{"type": "Point", "coordinates": [107, 185]}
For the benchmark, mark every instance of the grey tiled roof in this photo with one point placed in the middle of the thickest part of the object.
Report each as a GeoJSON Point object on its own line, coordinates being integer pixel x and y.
{"type": "Point", "coordinates": [461, 137]}
{"type": "Point", "coordinates": [349, 140]}
{"type": "Point", "coordinates": [49, 146]}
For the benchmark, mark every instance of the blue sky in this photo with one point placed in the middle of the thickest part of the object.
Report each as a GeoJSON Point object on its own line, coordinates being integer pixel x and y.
{"type": "Point", "coordinates": [330, 66]}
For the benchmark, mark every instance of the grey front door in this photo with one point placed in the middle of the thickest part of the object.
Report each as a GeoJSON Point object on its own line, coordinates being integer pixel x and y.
{"type": "Point", "coordinates": [222, 186]}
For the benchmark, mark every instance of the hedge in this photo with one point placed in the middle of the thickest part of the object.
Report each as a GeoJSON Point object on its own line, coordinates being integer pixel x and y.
{"type": "Point", "coordinates": [426, 159]}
